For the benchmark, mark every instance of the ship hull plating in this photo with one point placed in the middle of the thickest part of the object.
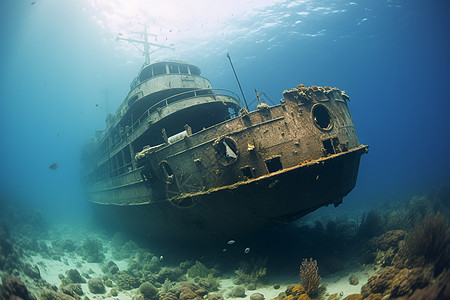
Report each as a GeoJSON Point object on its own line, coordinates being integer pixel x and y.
{"type": "Point", "coordinates": [244, 207]}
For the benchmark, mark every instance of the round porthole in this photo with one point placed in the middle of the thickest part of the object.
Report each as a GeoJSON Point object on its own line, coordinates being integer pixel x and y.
{"type": "Point", "coordinates": [226, 150]}
{"type": "Point", "coordinates": [321, 117]}
{"type": "Point", "coordinates": [166, 171]}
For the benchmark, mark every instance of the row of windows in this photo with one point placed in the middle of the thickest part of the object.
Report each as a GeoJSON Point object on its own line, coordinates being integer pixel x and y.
{"type": "Point", "coordinates": [165, 68]}
{"type": "Point", "coordinates": [115, 166]}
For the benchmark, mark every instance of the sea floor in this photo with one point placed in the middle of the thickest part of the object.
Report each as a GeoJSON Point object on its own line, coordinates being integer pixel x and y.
{"type": "Point", "coordinates": [359, 255]}
{"type": "Point", "coordinates": [53, 266]}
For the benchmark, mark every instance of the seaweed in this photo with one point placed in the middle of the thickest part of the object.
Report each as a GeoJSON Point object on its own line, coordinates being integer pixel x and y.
{"type": "Point", "coordinates": [253, 272]}
{"type": "Point", "coordinates": [429, 238]}
{"type": "Point", "coordinates": [92, 250]}
{"type": "Point", "coordinates": [199, 270]}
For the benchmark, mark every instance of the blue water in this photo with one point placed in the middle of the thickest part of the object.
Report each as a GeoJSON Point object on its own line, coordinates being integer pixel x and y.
{"type": "Point", "coordinates": [62, 71]}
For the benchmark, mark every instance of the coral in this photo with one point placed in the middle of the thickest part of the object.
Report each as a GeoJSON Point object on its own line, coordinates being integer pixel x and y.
{"type": "Point", "coordinates": [353, 280]}
{"type": "Point", "coordinates": [32, 271]}
{"type": "Point", "coordinates": [187, 290]}
{"type": "Point", "coordinates": [396, 282]}
{"type": "Point", "coordinates": [153, 264]}
{"type": "Point", "coordinates": [167, 296]}
{"type": "Point", "coordinates": [353, 297]}
{"type": "Point", "coordinates": [407, 281]}
{"type": "Point", "coordinates": [187, 293]}
{"type": "Point", "coordinates": [72, 289]}
{"type": "Point", "coordinates": [209, 283]}
{"type": "Point", "coordinates": [110, 268]}
{"type": "Point", "coordinates": [295, 292]}
{"type": "Point", "coordinates": [253, 272]}
{"type": "Point", "coordinates": [64, 245]}
{"type": "Point", "coordinates": [201, 292]}
{"type": "Point", "coordinates": [167, 285]}
{"type": "Point", "coordinates": [429, 238]}
{"type": "Point", "coordinates": [75, 276]}
{"type": "Point", "coordinates": [238, 292]}
{"type": "Point", "coordinates": [376, 296]}
{"type": "Point", "coordinates": [167, 273]}
{"type": "Point", "coordinates": [185, 265]}
{"type": "Point", "coordinates": [387, 240]}
{"type": "Point", "coordinates": [92, 250]}
{"type": "Point", "coordinates": [199, 270]}
{"type": "Point", "coordinates": [114, 292]}
{"type": "Point", "coordinates": [52, 295]}
{"type": "Point", "coordinates": [334, 296]}
{"type": "Point", "coordinates": [96, 286]}
{"type": "Point", "coordinates": [108, 283]}
{"type": "Point", "coordinates": [148, 290]}
{"type": "Point", "coordinates": [379, 281]}
{"type": "Point", "coordinates": [439, 289]}
{"type": "Point", "coordinates": [257, 296]}
{"type": "Point", "coordinates": [14, 288]}
{"type": "Point", "coordinates": [215, 297]}
{"type": "Point", "coordinates": [126, 281]}
{"type": "Point", "coordinates": [309, 275]}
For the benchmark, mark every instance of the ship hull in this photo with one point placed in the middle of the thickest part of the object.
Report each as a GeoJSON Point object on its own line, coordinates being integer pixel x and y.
{"type": "Point", "coordinates": [241, 208]}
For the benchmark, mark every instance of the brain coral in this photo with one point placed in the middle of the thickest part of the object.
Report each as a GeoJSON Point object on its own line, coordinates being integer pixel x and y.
{"type": "Point", "coordinates": [148, 290]}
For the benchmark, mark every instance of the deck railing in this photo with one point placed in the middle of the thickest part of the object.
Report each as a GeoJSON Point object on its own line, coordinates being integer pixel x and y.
{"type": "Point", "coordinates": [144, 117]}
{"type": "Point", "coordinates": [164, 103]}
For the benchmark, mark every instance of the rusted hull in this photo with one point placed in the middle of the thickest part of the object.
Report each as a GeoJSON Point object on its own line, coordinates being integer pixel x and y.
{"type": "Point", "coordinates": [244, 207]}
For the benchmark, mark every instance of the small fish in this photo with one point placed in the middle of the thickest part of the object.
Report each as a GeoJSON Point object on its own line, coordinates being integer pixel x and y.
{"type": "Point", "coordinates": [231, 242]}
{"type": "Point", "coordinates": [53, 166]}
{"type": "Point", "coordinates": [33, 3]}
{"type": "Point", "coordinates": [247, 250]}
{"type": "Point", "coordinates": [224, 250]}
{"type": "Point", "coordinates": [161, 258]}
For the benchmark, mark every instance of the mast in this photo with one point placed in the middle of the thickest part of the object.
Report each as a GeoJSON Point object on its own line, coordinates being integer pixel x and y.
{"type": "Point", "coordinates": [145, 43]}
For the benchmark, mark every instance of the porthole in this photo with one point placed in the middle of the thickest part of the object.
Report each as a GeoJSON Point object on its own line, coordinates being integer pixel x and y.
{"type": "Point", "coordinates": [226, 150]}
{"type": "Point", "coordinates": [321, 117]}
{"type": "Point", "coordinates": [166, 171]}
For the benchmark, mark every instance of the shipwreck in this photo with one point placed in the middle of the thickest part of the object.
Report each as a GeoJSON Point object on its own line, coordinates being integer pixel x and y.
{"type": "Point", "coordinates": [181, 159]}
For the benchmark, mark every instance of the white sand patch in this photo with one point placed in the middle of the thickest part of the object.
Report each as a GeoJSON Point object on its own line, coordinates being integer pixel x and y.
{"type": "Point", "coordinates": [339, 282]}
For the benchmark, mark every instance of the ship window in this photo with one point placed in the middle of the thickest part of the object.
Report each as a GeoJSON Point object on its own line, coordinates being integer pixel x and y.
{"type": "Point", "coordinates": [146, 74]}
{"type": "Point", "coordinates": [247, 172]}
{"type": "Point", "coordinates": [331, 146]}
{"type": "Point", "coordinates": [184, 69]}
{"type": "Point", "coordinates": [321, 117]}
{"type": "Point", "coordinates": [173, 69]}
{"type": "Point", "coordinates": [274, 164]}
{"type": "Point", "coordinates": [159, 69]}
{"type": "Point", "coordinates": [194, 70]}
{"type": "Point", "coordinates": [226, 150]}
{"type": "Point", "coordinates": [166, 171]}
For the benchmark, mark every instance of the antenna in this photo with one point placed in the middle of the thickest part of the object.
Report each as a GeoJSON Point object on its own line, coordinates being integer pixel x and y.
{"type": "Point", "coordinates": [246, 105]}
{"type": "Point", "coordinates": [145, 43]}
